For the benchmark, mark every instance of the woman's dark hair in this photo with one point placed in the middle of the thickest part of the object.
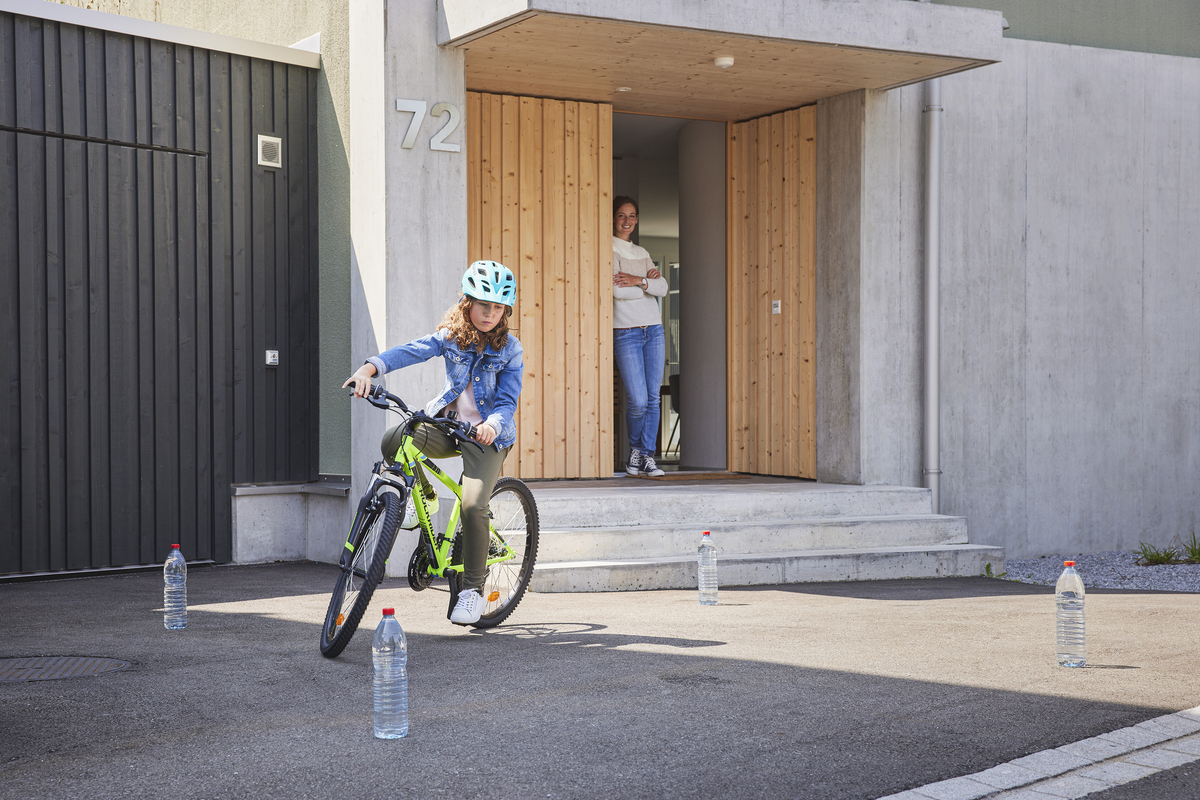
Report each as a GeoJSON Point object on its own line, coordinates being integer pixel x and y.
{"type": "Point", "coordinates": [621, 200]}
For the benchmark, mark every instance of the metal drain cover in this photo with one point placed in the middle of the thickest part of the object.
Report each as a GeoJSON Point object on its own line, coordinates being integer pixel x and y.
{"type": "Point", "coordinates": [52, 668]}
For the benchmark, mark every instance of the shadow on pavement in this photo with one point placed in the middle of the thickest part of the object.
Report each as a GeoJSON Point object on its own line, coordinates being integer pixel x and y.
{"type": "Point", "coordinates": [243, 705]}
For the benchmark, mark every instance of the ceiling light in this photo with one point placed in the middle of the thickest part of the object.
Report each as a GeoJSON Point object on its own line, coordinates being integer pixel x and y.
{"type": "Point", "coordinates": [624, 89]}
{"type": "Point", "coordinates": [724, 62]}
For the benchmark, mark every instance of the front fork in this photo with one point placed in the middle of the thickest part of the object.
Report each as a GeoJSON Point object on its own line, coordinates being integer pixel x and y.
{"type": "Point", "coordinates": [369, 502]}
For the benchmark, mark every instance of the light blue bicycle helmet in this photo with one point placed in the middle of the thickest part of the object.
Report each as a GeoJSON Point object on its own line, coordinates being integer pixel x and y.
{"type": "Point", "coordinates": [491, 282]}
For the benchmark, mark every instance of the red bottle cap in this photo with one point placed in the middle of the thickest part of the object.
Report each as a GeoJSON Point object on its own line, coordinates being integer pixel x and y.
{"type": "Point", "coordinates": [388, 612]}
{"type": "Point", "coordinates": [174, 547]}
{"type": "Point", "coordinates": [1068, 563]}
{"type": "Point", "coordinates": [706, 533]}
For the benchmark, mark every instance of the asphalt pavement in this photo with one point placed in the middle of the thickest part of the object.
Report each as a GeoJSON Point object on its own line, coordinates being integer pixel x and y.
{"type": "Point", "coordinates": [838, 690]}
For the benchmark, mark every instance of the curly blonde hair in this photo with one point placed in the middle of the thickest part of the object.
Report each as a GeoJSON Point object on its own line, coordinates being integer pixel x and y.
{"type": "Point", "coordinates": [457, 320]}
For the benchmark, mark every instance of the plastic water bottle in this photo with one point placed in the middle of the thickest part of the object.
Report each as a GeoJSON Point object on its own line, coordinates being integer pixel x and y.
{"type": "Point", "coordinates": [1068, 593]}
{"type": "Point", "coordinates": [389, 651]}
{"type": "Point", "coordinates": [175, 591]}
{"type": "Point", "coordinates": [706, 556]}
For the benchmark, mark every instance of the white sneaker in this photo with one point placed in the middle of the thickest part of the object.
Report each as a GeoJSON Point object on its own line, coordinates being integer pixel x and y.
{"type": "Point", "coordinates": [468, 609]}
{"type": "Point", "coordinates": [649, 467]}
{"type": "Point", "coordinates": [410, 516]}
{"type": "Point", "coordinates": [634, 466]}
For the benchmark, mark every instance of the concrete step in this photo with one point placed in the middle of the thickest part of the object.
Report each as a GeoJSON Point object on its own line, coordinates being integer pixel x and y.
{"type": "Point", "coordinates": [617, 503]}
{"type": "Point", "coordinates": [657, 540]}
{"type": "Point", "coordinates": [802, 566]}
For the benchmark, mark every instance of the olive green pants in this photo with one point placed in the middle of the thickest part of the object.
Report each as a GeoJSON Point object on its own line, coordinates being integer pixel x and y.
{"type": "Point", "coordinates": [481, 469]}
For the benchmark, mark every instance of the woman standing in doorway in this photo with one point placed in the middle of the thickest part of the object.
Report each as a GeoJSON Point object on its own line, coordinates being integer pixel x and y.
{"type": "Point", "coordinates": [638, 342]}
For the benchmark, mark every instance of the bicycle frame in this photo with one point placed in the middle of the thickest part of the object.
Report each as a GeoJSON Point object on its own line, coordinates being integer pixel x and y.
{"type": "Point", "coordinates": [403, 474]}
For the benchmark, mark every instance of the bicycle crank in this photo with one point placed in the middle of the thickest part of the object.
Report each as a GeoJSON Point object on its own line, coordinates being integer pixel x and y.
{"type": "Point", "coordinates": [419, 576]}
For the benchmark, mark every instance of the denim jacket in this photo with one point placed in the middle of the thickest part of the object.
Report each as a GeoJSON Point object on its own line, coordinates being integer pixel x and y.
{"type": "Point", "coordinates": [496, 376]}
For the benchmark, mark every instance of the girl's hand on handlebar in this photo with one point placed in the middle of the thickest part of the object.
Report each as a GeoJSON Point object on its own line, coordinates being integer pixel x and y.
{"type": "Point", "coordinates": [485, 434]}
{"type": "Point", "coordinates": [360, 381]}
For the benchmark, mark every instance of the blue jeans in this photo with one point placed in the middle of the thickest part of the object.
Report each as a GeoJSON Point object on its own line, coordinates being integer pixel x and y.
{"type": "Point", "coordinates": [641, 354]}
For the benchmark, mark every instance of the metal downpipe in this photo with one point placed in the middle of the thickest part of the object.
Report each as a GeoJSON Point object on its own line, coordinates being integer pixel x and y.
{"type": "Point", "coordinates": [932, 111]}
{"type": "Point", "coordinates": [933, 239]}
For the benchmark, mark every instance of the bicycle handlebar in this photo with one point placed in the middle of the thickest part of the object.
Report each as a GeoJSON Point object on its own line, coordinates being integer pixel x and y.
{"type": "Point", "coordinates": [462, 430]}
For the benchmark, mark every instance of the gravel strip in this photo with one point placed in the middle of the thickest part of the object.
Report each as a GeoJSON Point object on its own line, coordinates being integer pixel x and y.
{"type": "Point", "coordinates": [1110, 570]}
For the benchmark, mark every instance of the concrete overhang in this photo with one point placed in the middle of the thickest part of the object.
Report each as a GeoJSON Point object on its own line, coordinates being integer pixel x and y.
{"type": "Point", "coordinates": [787, 53]}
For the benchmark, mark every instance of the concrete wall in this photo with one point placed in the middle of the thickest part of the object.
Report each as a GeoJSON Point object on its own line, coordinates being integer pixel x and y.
{"type": "Point", "coordinates": [869, 306]}
{"type": "Point", "coordinates": [1071, 338]}
{"type": "Point", "coordinates": [1170, 27]}
{"type": "Point", "coordinates": [285, 22]}
{"type": "Point", "coordinates": [289, 523]}
{"type": "Point", "coordinates": [702, 430]}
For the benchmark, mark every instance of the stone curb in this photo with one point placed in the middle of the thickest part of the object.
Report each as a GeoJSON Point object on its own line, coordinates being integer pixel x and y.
{"type": "Point", "coordinates": [1079, 768]}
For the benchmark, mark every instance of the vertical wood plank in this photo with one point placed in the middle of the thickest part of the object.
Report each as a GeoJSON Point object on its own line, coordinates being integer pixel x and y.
{"type": "Point", "coordinates": [119, 87]}
{"type": "Point", "coordinates": [762, 301]}
{"type": "Point", "coordinates": [56, 377]}
{"type": "Point", "coordinates": [239, 225]}
{"type": "Point", "coordinates": [510, 235]}
{"type": "Point", "coordinates": [34, 528]}
{"type": "Point", "coordinates": [791, 310]}
{"type": "Point", "coordinates": [162, 94]}
{"type": "Point", "coordinates": [733, 260]}
{"type": "Point", "coordinates": [554, 386]}
{"type": "Point", "coordinates": [71, 59]}
{"type": "Point", "coordinates": [184, 99]}
{"type": "Point", "coordinates": [474, 142]}
{"type": "Point", "coordinates": [77, 329]}
{"type": "Point", "coordinates": [94, 90]}
{"type": "Point", "coordinates": [222, 286]}
{"type": "Point", "coordinates": [778, 266]}
{"type": "Point", "coordinates": [594, 384]}
{"type": "Point", "coordinates": [806, 384]}
{"type": "Point", "coordinates": [8, 88]}
{"type": "Point", "coordinates": [10, 316]}
{"type": "Point", "coordinates": [604, 260]}
{"type": "Point", "coordinates": [572, 335]}
{"type": "Point", "coordinates": [122, 345]}
{"type": "Point", "coordinates": [51, 78]}
{"type": "Point", "coordinates": [166, 350]}
{"type": "Point", "coordinates": [530, 175]}
{"type": "Point", "coordinates": [99, 364]}
{"type": "Point", "coordinates": [493, 216]}
{"type": "Point", "coordinates": [280, 465]}
{"type": "Point", "coordinates": [184, 211]}
{"type": "Point", "coordinates": [261, 256]}
{"type": "Point", "coordinates": [29, 77]}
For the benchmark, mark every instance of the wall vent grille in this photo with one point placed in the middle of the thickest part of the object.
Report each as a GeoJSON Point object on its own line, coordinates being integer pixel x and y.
{"type": "Point", "coordinates": [270, 152]}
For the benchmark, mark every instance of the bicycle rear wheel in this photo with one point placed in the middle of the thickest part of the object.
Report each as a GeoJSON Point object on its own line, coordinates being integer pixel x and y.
{"type": "Point", "coordinates": [372, 538]}
{"type": "Point", "coordinates": [515, 524]}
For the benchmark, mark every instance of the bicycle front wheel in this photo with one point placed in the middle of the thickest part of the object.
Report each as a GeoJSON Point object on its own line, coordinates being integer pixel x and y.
{"type": "Point", "coordinates": [372, 537]}
{"type": "Point", "coordinates": [514, 525]}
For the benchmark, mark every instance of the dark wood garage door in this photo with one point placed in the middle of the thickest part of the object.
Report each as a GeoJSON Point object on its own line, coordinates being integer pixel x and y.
{"type": "Point", "coordinates": [147, 262]}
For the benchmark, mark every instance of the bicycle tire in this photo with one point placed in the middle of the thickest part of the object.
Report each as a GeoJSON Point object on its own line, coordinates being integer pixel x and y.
{"type": "Point", "coordinates": [515, 520]}
{"type": "Point", "coordinates": [372, 539]}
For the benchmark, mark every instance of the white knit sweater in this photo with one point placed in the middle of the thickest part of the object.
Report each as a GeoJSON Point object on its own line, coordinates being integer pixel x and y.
{"type": "Point", "coordinates": [633, 306]}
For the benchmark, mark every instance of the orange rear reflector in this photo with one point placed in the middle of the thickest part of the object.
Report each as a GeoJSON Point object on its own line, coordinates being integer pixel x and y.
{"type": "Point", "coordinates": [493, 597]}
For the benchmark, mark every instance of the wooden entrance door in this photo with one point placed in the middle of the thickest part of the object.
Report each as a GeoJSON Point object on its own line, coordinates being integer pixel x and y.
{"type": "Point", "coordinates": [539, 197]}
{"type": "Point", "coordinates": [772, 285]}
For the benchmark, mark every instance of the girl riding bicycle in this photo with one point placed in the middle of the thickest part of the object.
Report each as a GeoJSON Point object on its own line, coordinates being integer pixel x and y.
{"type": "Point", "coordinates": [483, 382]}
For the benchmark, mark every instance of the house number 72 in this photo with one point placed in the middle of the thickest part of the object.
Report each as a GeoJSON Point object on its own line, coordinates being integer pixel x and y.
{"type": "Point", "coordinates": [438, 142]}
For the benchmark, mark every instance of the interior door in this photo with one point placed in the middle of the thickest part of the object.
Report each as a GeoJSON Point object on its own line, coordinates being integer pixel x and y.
{"type": "Point", "coordinates": [771, 290]}
{"type": "Point", "coordinates": [539, 197]}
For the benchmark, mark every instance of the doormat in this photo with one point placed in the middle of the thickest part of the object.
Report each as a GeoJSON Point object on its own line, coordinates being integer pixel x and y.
{"type": "Point", "coordinates": [53, 668]}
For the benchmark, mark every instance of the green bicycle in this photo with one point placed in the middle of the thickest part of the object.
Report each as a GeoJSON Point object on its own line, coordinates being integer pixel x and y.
{"type": "Point", "coordinates": [511, 552]}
